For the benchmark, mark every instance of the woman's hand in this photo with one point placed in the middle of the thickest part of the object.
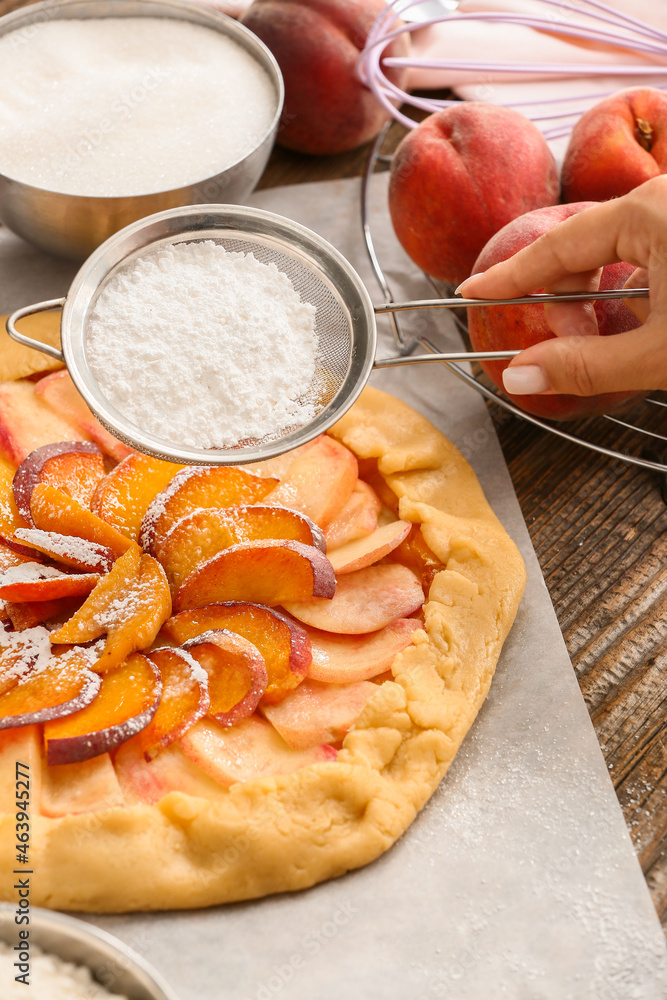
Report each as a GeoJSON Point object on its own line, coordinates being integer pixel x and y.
{"type": "Point", "coordinates": [570, 258]}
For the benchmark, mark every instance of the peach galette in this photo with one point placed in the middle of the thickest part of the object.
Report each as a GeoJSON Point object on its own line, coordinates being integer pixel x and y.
{"type": "Point", "coordinates": [225, 681]}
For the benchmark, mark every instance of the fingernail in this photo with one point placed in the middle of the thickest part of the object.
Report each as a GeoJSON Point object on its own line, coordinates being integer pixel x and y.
{"type": "Point", "coordinates": [457, 291]}
{"type": "Point", "coordinates": [519, 380]}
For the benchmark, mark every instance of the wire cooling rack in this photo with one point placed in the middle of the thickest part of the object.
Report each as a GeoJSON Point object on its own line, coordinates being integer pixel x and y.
{"type": "Point", "coordinates": [637, 436]}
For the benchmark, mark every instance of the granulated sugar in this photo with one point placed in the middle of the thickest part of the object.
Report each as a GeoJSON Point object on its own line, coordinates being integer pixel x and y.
{"type": "Point", "coordinates": [203, 347]}
{"type": "Point", "coordinates": [49, 979]}
{"type": "Point", "coordinates": [127, 106]}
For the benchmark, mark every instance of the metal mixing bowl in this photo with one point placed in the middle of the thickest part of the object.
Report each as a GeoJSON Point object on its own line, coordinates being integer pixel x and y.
{"type": "Point", "coordinates": [114, 966]}
{"type": "Point", "coordinates": [74, 225]}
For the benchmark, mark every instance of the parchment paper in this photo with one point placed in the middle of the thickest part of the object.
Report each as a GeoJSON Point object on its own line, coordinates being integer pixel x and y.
{"type": "Point", "coordinates": [518, 881]}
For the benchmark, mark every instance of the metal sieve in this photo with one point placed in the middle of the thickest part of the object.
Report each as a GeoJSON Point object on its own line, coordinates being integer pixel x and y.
{"type": "Point", "coordinates": [345, 320]}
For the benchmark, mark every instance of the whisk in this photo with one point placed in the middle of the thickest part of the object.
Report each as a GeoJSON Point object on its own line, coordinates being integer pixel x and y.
{"type": "Point", "coordinates": [602, 25]}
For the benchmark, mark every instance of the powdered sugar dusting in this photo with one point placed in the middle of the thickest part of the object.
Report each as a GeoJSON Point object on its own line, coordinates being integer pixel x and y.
{"type": "Point", "coordinates": [70, 547]}
{"type": "Point", "coordinates": [29, 572]}
{"type": "Point", "coordinates": [204, 347]}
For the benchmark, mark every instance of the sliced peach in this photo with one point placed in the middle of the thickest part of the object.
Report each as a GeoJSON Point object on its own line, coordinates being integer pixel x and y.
{"type": "Point", "coordinates": [17, 360]}
{"type": "Point", "coordinates": [65, 686]}
{"type": "Point", "coordinates": [130, 604]}
{"type": "Point", "coordinates": [127, 701]}
{"type": "Point", "coordinates": [283, 643]}
{"type": "Point", "coordinates": [28, 614]}
{"type": "Point", "coordinates": [69, 550]}
{"type": "Point", "coordinates": [185, 698]}
{"type": "Point", "coordinates": [59, 391]}
{"type": "Point", "coordinates": [20, 653]}
{"type": "Point", "coordinates": [27, 422]}
{"type": "Point", "coordinates": [149, 781]}
{"type": "Point", "coordinates": [10, 518]}
{"type": "Point", "coordinates": [279, 466]}
{"type": "Point", "coordinates": [260, 572]}
{"type": "Point", "coordinates": [369, 550]}
{"type": "Point", "coordinates": [369, 472]}
{"type": "Point", "coordinates": [75, 467]}
{"type": "Point", "coordinates": [203, 533]}
{"type": "Point", "coordinates": [319, 482]}
{"type": "Point", "coordinates": [124, 496]}
{"type": "Point", "coordinates": [36, 582]}
{"type": "Point", "coordinates": [53, 510]}
{"type": "Point", "coordinates": [416, 554]}
{"type": "Point", "coordinates": [236, 673]}
{"type": "Point", "coordinates": [199, 486]}
{"type": "Point", "coordinates": [88, 786]}
{"type": "Point", "coordinates": [365, 601]}
{"type": "Point", "coordinates": [343, 659]}
{"type": "Point", "coordinates": [358, 517]}
{"type": "Point", "coordinates": [24, 746]}
{"type": "Point", "coordinates": [253, 749]}
{"type": "Point", "coordinates": [319, 713]}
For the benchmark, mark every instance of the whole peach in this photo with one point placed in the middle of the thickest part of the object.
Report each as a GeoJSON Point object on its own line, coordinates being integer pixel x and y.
{"type": "Point", "coordinates": [459, 177]}
{"type": "Point", "coordinates": [317, 44]}
{"type": "Point", "coordinates": [501, 328]}
{"type": "Point", "coordinates": [617, 145]}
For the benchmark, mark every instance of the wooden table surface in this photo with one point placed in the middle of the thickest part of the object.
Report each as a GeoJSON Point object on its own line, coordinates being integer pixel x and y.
{"type": "Point", "coordinates": [599, 529]}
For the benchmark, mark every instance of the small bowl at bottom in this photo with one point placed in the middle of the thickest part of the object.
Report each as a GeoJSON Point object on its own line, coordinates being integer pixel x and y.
{"type": "Point", "coordinates": [113, 965]}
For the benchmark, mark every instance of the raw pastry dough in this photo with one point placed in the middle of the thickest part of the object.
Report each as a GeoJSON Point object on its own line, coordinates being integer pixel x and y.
{"type": "Point", "coordinates": [291, 831]}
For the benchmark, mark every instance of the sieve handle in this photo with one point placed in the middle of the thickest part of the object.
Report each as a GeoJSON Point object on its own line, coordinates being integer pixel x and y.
{"type": "Point", "coordinates": [425, 359]}
{"type": "Point", "coordinates": [21, 338]}
{"type": "Point", "coordinates": [535, 298]}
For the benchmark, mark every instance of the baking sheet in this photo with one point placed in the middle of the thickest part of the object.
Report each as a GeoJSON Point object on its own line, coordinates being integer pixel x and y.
{"type": "Point", "coordinates": [518, 880]}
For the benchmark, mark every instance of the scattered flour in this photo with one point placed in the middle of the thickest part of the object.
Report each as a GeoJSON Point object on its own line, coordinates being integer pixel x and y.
{"type": "Point", "coordinates": [203, 347]}
{"type": "Point", "coordinates": [50, 979]}
{"type": "Point", "coordinates": [116, 106]}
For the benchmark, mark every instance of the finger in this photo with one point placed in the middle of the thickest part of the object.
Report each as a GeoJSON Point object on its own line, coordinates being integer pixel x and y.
{"type": "Point", "coordinates": [585, 366]}
{"type": "Point", "coordinates": [599, 235]}
{"type": "Point", "coordinates": [574, 319]}
{"type": "Point", "coordinates": [640, 307]}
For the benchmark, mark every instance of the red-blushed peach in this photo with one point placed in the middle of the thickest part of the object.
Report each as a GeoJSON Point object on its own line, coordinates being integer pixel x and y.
{"type": "Point", "coordinates": [283, 643]}
{"type": "Point", "coordinates": [28, 422]}
{"type": "Point", "coordinates": [199, 486]}
{"type": "Point", "coordinates": [263, 572]}
{"type": "Point", "coordinates": [64, 398]}
{"type": "Point", "coordinates": [253, 749]}
{"type": "Point", "coordinates": [201, 534]}
{"type": "Point", "coordinates": [365, 601]}
{"type": "Point", "coordinates": [616, 145]}
{"type": "Point", "coordinates": [77, 553]}
{"type": "Point", "coordinates": [130, 604]}
{"type": "Point", "coordinates": [125, 494]}
{"type": "Point", "coordinates": [185, 699]}
{"type": "Point", "coordinates": [53, 510]}
{"type": "Point", "coordinates": [143, 781]}
{"type": "Point", "coordinates": [369, 550]}
{"type": "Point", "coordinates": [236, 671]}
{"type": "Point", "coordinates": [64, 686]}
{"type": "Point", "coordinates": [459, 177]}
{"type": "Point", "coordinates": [357, 518]}
{"type": "Point", "coordinates": [87, 786]}
{"type": "Point", "coordinates": [76, 467]}
{"type": "Point", "coordinates": [319, 482]}
{"type": "Point", "coordinates": [499, 328]}
{"type": "Point", "coordinates": [127, 701]}
{"type": "Point", "coordinates": [45, 583]}
{"type": "Point", "coordinates": [317, 713]}
{"type": "Point", "coordinates": [317, 45]}
{"type": "Point", "coordinates": [343, 659]}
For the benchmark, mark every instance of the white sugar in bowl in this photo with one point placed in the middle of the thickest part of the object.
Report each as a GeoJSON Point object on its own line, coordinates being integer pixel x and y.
{"type": "Point", "coordinates": [111, 110]}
